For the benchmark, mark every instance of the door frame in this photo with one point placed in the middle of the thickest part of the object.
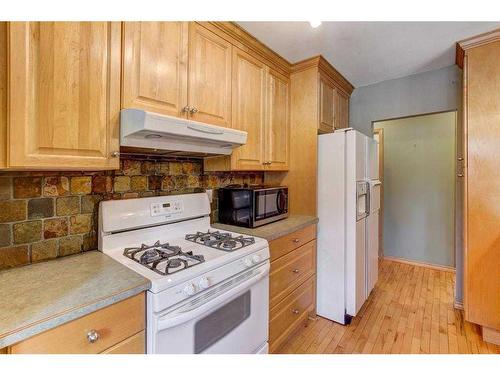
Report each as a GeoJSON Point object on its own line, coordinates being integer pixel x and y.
{"type": "Point", "coordinates": [380, 132]}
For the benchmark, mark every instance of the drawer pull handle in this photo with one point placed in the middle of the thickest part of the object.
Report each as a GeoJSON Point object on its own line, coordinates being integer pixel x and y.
{"type": "Point", "coordinates": [296, 270]}
{"type": "Point", "coordinates": [295, 311]}
{"type": "Point", "coordinates": [92, 336]}
{"type": "Point", "coordinates": [295, 240]}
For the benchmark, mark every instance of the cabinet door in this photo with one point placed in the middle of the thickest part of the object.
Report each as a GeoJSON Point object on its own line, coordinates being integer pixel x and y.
{"type": "Point", "coordinates": [342, 110]}
{"type": "Point", "coordinates": [155, 66]}
{"type": "Point", "coordinates": [277, 134]}
{"type": "Point", "coordinates": [209, 79]}
{"type": "Point", "coordinates": [64, 102]}
{"type": "Point", "coordinates": [249, 81]}
{"type": "Point", "coordinates": [326, 106]}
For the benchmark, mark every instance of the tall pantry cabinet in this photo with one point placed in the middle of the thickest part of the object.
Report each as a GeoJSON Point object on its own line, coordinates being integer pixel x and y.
{"type": "Point", "coordinates": [479, 57]}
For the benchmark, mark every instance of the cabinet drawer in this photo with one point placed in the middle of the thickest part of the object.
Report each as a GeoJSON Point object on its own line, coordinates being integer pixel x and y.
{"type": "Point", "coordinates": [291, 270]}
{"type": "Point", "coordinates": [285, 244]}
{"type": "Point", "coordinates": [133, 345]}
{"type": "Point", "coordinates": [113, 324]}
{"type": "Point", "coordinates": [287, 315]}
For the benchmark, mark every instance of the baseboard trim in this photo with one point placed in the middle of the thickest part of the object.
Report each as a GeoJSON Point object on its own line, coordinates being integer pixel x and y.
{"type": "Point", "coordinates": [420, 264]}
{"type": "Point", "coordinates": [458, 305]}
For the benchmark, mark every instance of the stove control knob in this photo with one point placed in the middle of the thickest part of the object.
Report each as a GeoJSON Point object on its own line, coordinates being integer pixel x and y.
{"type": "Point", "coordinates": [189, 289]}
{"type": "Point", "coordinates": [204, 283]}
{"type": "Point", "coordinates": [256, 259]}
{"type": "Point", "coordinates": [248, 262]}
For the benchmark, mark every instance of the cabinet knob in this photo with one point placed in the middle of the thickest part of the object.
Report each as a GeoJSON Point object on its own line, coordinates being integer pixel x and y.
{"type": "Point", "coordinates": [92, 336]}
{"type": "Point", "coordinates": [186, 108]}
{"type": "Point", "coordinates": [296, 240]}
{"type": "Point", "coordinates": [296, 270]}
{"type": "Point", "coordinates": [193, 110]}
{"type": "Point", "coordinates": [295, 311]}
{"type": "Point", "coordinates": [115, 154]}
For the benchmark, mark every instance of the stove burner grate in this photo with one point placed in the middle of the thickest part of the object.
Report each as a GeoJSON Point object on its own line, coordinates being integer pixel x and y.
{"type": "Point", "coordinates": [158, 255]}
{"type": "Point", "coordinates": [221, 241]}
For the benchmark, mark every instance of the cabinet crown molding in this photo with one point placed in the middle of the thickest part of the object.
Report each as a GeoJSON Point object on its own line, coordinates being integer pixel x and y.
{"type": "Point", "coordinates": [472, 42]}
{"type": "Point", "coordinates": [325, 67]}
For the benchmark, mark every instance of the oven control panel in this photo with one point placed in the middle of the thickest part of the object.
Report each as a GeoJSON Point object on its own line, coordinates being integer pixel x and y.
{"type": "Point", "coordinates": [166, 208]}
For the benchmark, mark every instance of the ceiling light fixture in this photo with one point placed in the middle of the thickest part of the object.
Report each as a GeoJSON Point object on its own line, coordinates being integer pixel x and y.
{"type": "Point", "coordinates": [315, 24]}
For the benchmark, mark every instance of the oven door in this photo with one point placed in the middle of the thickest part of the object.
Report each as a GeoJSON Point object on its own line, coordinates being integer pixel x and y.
{"type": "Point", "coordinates": [231, 317]}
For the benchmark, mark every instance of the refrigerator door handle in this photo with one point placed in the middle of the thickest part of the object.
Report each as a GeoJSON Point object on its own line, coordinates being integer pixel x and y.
{"type": "Point", "coordinates": [368, 197]}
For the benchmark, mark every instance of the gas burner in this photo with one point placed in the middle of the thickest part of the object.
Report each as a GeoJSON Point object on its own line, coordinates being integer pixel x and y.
{"type": "Point", "coordinates": [221, 241]}
{"type": "Point", "coordinates": [163, 258]}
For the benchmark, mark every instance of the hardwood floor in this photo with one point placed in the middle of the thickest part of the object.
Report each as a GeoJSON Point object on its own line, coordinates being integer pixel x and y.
{"type": "Point", "coordinates": [410, 310]}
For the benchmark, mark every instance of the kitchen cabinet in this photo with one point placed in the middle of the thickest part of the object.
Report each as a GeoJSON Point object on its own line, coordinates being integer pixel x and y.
{"type": "Point", "coordinates": [260, 106]}
{"type": "Point", "coordinates": [63, 98]}
{"type": "Point", "coordinates": [155, 66]}
{"type": "Point", "coordinates": [292, 284]}
{"type": "Point", "coordinates": [249, 99]}
{"type": "Point", "coordinates": [116, 329]}
{"type": "Point", "coordinates": [209, 78]}
{"type": "Point", "coordinates": [277, 126]}
{"type": "Point", "coordinates": [479, 57]}
{"type": "Point", "coordinates": [319, 103]}
{"type": "Point", "coordinates": [326, 106]}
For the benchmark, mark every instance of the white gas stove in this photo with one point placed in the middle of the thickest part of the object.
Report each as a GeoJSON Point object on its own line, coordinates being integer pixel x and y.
{"type": "Point", "coordinates": [209, 288]}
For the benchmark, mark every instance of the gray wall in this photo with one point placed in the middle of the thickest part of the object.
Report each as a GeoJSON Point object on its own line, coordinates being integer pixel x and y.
{"type": "Point", "coordinates": [428, 92]}
{"type": "Point", "coordinates": [419, 188]}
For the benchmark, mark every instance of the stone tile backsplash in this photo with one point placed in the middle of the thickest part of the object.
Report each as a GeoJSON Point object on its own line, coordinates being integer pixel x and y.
{"type": "Point", "coordinates": [44, 215]}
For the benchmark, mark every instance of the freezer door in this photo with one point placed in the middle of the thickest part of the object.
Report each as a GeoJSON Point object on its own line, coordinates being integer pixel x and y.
{"type": "Point", "coordinates": [372, 237]}
{"type": "Point", "coordinates": [356, 271]}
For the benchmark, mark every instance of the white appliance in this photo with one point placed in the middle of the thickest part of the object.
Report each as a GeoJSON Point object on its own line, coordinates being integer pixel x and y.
{"type": "Point", "coordinates": [146, 130]}
{"type": "Point", "coordinates": [348, 206]}
{"type": "Point", "coordinates": [209, 289]}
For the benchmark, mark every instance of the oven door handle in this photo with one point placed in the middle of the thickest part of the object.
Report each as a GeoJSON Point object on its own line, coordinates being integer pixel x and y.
{"type": "Point", "coordinates": [175, 318]}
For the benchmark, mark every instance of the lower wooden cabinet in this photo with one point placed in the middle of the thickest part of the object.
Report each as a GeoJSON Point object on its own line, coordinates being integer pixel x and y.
{"type": "Point", "coordinates": [116, 329]}
{"type": "Point", "coordinates": [292, 284]}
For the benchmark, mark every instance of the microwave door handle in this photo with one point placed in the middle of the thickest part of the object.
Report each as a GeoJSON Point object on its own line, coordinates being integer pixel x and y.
{"type": "Point", "coordinates": [172, 319]}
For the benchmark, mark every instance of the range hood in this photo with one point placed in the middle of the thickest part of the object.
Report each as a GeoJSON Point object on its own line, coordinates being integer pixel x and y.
{"type": "Point", "coordinates": [156, 133]}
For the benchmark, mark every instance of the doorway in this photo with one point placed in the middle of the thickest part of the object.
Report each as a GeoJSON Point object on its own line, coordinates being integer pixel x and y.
{"type": "Point", "coordinates": [419, 188]}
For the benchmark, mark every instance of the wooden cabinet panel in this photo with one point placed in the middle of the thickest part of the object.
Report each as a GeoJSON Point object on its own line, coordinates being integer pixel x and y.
{"type": "Point", "coordinates": [283, 245]}
{"type": "Point", "coordinates": [249, 94]}
{"type": "Point", "coordinates": [64, 99]}
{"type": "Point", "coordinates": [288, 272]}
{"type": "Point", "coordinates": [482, 215]}
{"type": "Point", "coordinates": [209, 80]}
{"type": "Point", "coordinates": [277, 134]}
{"type": "Point", "coordinates": [133, 345]}
{"type": "Point", "coordinates": [155, 66]}
{"type": "Point", "coordinates": [341, 110]}
{"type": "Point", "coordinates": [114, 324]}
{"type": "Point", "coordinates": [326, 106]}
{"type": "Point", "coordinates": [287, 315]}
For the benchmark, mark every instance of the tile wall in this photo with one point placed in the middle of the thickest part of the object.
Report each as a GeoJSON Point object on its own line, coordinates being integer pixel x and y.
{"type": "Point", "coordinates": [44, 215]}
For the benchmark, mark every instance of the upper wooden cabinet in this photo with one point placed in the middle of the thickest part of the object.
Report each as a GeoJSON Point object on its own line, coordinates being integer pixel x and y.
{"type": "Point", "coordinates": [209, 79]}
{"type": "Point", "coordinates": [326, 106]}
{"type": "Point", "coordinates": [277, 140]}
{"type": "Point", "coordinates": [261, 107]}
{"type": "Point", "coordinates": [329, 105]}
{"type": "Point", "coordinates": [249, 100]}
{"type": "Point", "coordinates": [64, 95]}
{"type": "Point", "coordinates": [155, 66]}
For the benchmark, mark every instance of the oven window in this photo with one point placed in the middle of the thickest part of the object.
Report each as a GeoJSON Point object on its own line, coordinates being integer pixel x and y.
{"type": "Point", "coordinates": [222, 321]}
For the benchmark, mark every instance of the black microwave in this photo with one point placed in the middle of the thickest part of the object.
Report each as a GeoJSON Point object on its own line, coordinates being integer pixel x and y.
{"type": "Point", "coordinates": [252, 206]}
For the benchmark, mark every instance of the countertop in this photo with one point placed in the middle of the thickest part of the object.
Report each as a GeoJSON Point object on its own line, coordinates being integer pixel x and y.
{"type": "Point", "coordinates": [273, 230]}
{"type": "Point", "coordinates": [41, 296]}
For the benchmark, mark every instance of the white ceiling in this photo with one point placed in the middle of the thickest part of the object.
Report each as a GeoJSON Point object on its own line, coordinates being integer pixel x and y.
{"type": "Point", "coordinates": [370, 52]}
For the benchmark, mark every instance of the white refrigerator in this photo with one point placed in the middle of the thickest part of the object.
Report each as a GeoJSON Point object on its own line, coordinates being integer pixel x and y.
{"type": "Point", "coordinates": [348, 211]}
